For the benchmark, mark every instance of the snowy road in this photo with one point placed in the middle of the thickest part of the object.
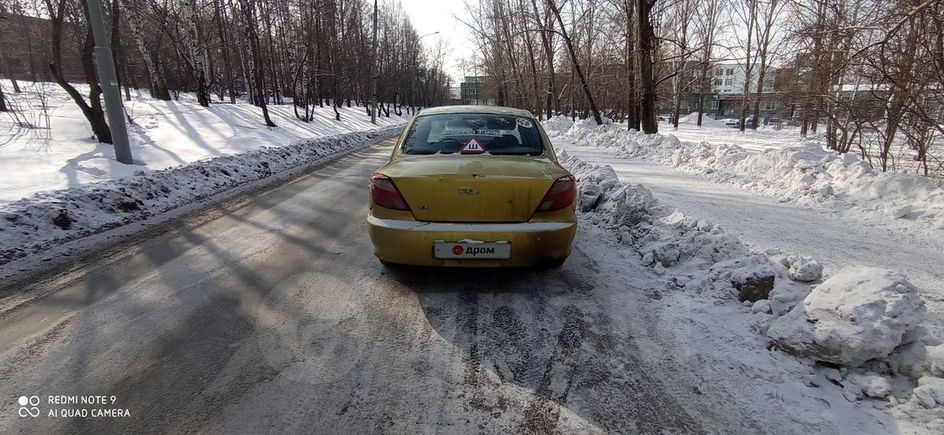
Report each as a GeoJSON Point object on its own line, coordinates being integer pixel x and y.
{"type": "Point", "coordinates": [765, 223]}
{"type": "Point", "coordinates": [270, 314]}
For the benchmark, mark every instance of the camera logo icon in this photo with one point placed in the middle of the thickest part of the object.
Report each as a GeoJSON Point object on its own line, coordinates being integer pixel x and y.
{"type": "Point", "coordinates": [28, 406]}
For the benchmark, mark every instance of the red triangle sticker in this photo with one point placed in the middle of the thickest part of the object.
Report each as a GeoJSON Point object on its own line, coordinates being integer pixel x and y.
{"type": "Point", "coordinates": [472, 147]}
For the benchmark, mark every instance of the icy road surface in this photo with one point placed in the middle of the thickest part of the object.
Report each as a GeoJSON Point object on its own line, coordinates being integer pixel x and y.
{"type": "Point", "coordinates": [270, 314]}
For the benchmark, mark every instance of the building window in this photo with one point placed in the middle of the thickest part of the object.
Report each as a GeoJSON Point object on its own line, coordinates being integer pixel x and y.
{"type": "Point", "coordinates": [728, 82]}
{"type": "Point", "coordinates": [717, 82]}
{"type": "Point", "coordinates": [730, 71]}
{"type": "Point", "coordinates": [770, 105]}
{"type": "Point", "coordinates": [719, 72]}
{"type": "Point", "coordinates": [713, 105]}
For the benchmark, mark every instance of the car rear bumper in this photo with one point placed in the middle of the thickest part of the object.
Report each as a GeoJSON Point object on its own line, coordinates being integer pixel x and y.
{"type": "Point", "coordinates": [411, 242]}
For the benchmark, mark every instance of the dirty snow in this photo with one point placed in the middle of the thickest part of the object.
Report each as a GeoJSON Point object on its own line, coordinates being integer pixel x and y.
{"type": "Point", "coordinates": [858, 314]}
{"type": "Point", "coordinates": [704, 312]}
{"type": "Point", "coordinates": [46, 219]}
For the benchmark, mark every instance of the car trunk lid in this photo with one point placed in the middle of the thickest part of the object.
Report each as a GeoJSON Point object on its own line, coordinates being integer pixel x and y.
{"type": "Point", "coordinates": [462, 188]}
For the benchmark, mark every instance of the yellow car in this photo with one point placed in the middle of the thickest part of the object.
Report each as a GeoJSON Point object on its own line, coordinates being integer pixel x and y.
{"type": "Point", "coordinates": [472, 186]}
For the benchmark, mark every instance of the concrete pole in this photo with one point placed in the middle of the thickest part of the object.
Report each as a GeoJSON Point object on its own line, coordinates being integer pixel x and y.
{"type": "Point", "coordinates": [105, 64]}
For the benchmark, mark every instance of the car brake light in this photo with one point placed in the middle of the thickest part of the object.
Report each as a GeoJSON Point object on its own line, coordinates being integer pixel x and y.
{"type": "Point", "coordinates": [561, 194]}
{"type": "Point", "coordinates": [385, 194]}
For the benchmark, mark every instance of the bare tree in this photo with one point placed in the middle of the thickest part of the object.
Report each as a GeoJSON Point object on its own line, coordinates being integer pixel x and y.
{"type": "Point", "coordinates": [769, 13]}
{"type": "Point", "coordinates": [5, 18]}
{"type": "Point", "coordinates": [573, 57]}
{"type": "Point", "coordinates": [647, 47]}
{"type": "Point", "coordinates": [256, 68]}
{"type": "Point", "coordinates": [194, 54]}
{"type": "Point", "coordinates": [682, 17]}
{"type": "Point", "coordinates": [748, 16]}
{"type": "Point", "coordinates": [707, 25]}
{"type": "Point", "coordinates": [228, 79]}
{"type": "Point", "coordinates": [92, 110]}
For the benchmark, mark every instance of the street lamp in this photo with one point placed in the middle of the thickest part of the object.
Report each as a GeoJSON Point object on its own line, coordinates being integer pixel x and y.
{"type": "Point", "coordinates": [413, 76]}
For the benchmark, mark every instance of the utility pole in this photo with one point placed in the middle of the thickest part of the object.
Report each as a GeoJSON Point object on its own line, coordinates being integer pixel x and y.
{"type": "Point", "coordinates": [374, 71]}
{"type": "Point", "coordinates": [105, 63]}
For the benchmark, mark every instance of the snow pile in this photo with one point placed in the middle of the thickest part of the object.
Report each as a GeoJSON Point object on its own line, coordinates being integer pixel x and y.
{"type": "Point", "coordinates": [706, 120]}
{"type": "Point", "coordinates": [620, 205]}
{"type": "Point", "coordinates": [628, 209]}
{"type": "Point", "coordinates": [929, 393]}
{"type": "Point", "coordinates": [557, 124]}
{"type": "Point", "coordinates": [805, 173]}
{"type": "Point", "coordinates": [858, 314]}
{"type": "Point", "coordinates": [662, 239]}
{"type": "Point", "coordinates": [803, 269]}
{"type": "Point", "coordinates": [859, 329]}
{"type": "Point", "coordinates": [47, 219]}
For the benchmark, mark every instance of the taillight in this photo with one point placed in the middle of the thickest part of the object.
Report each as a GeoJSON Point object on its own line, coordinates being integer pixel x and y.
{"type": "Point", "coordinates": [561, 194]}
{"type": "Point", "coordinates": [385, 194]}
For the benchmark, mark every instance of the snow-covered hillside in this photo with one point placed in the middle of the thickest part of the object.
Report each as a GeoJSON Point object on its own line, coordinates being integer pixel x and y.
{"type": "Point", "coordinates": [60, 185]}
{"type": "Point", "coordinates": [59, 152]}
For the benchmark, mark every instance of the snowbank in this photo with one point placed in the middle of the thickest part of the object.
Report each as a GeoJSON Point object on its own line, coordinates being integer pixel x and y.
{"type": "Point", "coordinates": [805, 173]}
{"type": "Point", "coordinates": [557, 124]}
{"type": "Point", "coordinates": [863, 322]}
{"type": "Point", "coordinates": [46, 219]}
{"type": "Point", "coordinates": [706, 121]}
{"type": "Point", "coordinates": [858, 314]}
{"type": "Point", "coordinates": [628, 209]}
{"type": "Point", "coordinates": [59, 152]}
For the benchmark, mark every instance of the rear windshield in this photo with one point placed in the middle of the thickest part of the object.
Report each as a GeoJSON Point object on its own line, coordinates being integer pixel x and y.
{"type": "Point", "coordinates": [473, 133]}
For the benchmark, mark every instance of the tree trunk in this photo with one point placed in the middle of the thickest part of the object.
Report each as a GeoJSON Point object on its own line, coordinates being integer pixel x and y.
{"type": "Point", "coordinates": [257, 70]}
{"type": "Point", "coordinates": [576, 65]}
{"type": "Point", "coordinates": [677, 107]}
{"type": "Point", "coordinates": [763, 40]}
{"type": "Point", "coordinates": [224, 52]}
{"type": "Point", "coordinates": [547, 40]}
{"type": "Point", "coordinates": [748, 65]}
{"type": "Point", "coordinates": [92, 111]}
{"type": "Point", "coordinates": [28, 36]}
{"type": "Point", "coordinates": [3, 100]}
{"type": "Point", "coordinates": [647, 40]}
{"type": "Point", "coordinates": [197, 61]}
{"type": "Point", "coordinates": [632, 104]}
{"type": "Point", "coordinates": [117, 50]}
{"type": "Point", "coordinates": [7, 63]}
{"type": "Point", "coordinates": [373, 70]}
{"type": "Point", "coordinates": [135, 20]}
{"type": "Point", "coordinates": [536, 93]}
{"type": "Point", "coordinates": [761, 72]}
{"type": "Point", "coordinates": [704, 83]}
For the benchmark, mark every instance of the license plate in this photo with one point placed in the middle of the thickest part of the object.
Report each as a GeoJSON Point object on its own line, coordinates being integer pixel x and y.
{"type": "Point", "coordinates": [472, 250]}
